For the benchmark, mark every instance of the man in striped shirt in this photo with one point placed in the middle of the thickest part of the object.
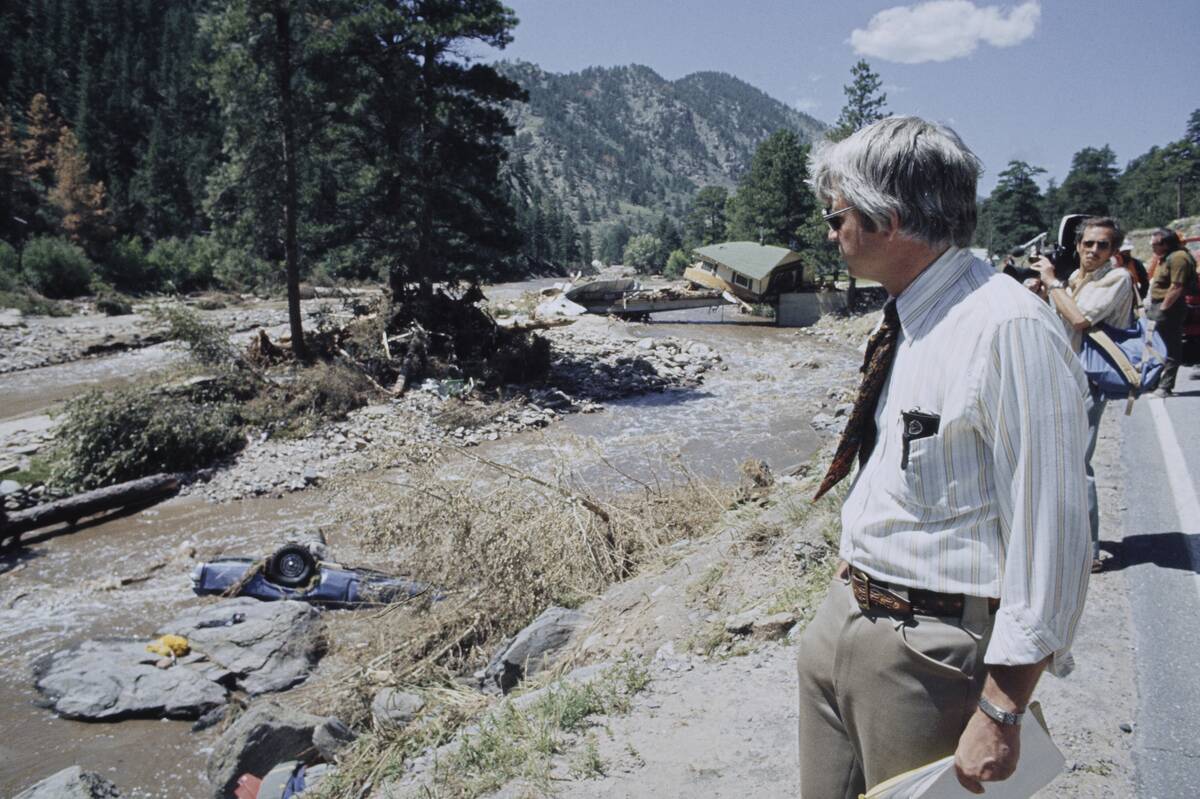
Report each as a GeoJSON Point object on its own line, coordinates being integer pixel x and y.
{"type": "Point", "coordinates": [965, 531]}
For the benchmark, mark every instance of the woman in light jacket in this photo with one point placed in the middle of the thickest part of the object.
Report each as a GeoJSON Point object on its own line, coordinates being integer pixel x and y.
{"type": "Point", "coordinates": [1099, 291]}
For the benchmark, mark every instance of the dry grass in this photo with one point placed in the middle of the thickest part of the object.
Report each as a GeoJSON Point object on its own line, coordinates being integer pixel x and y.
{"type": "Point", "coordinates": [503, 545]}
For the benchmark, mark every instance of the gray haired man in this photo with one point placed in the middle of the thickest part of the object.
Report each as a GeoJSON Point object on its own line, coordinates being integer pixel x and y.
{"type": "Point", "coordinates": [964, 533]}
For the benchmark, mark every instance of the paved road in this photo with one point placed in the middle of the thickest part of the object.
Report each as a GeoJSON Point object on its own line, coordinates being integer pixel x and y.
{"type": "Point", "coordinates": [1160, 557]}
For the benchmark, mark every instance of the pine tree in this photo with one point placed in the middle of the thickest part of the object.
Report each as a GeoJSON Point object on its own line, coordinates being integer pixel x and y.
{"type": "Point", "coordinates": [86, 218]}
{"type": "Point", "coordinates": [706, 216]}
{"type": "Point", "coordinates": [1089, 188]}
{"type": "Point", "coordinates": [42, 130]}
{"type": "Point", "coordinates": [1015, 206]}
{"type": "Point", "coordinates": [773, 201]}
{"type": "Point", "coordinates": [865, 103]}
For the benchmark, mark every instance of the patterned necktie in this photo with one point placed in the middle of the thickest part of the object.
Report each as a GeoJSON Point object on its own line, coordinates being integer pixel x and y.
{"type": "Point", "coordinates": [859, 435]}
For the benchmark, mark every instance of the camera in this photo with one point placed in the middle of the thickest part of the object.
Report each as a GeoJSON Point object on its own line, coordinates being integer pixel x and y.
{"type": "Point", "coordinates": [1061, 252]}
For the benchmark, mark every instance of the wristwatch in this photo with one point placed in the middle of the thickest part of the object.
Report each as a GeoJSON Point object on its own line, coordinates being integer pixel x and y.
{"type": "Point", "coordinates": [999, 716]}
{"type": "Point", "coordinates": [1055, 284]}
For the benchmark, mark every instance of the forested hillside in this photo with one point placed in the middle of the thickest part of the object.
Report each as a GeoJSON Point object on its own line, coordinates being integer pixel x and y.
{"type": "Point", "coordinates": [624, 144]}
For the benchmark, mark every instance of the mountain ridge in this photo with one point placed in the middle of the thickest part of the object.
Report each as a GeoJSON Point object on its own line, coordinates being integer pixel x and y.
{"type": "Point", "coordinates": [625, 143]}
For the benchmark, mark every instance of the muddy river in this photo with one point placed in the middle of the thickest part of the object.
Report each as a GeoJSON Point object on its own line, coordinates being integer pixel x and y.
{"type": "Point", "coordinates": [55, 591]}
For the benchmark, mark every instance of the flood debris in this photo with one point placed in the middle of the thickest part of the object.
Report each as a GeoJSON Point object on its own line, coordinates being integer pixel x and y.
{"type": "Point", "coordinates": [133, 493]}
{"type": "Point", "coordinates": [295, 571]}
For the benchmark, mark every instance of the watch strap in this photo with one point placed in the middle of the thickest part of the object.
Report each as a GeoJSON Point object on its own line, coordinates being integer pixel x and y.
{"type": "Point", "coordinates": [999, 716]}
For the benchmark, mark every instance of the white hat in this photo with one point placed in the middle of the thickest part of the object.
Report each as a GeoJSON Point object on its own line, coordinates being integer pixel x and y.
{"type": "Point", "coordinates": [1126, 246]}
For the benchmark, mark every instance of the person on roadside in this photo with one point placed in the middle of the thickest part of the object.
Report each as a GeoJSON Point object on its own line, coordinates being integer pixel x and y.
{"type": "Point", "coordinates": [1135, 268]}
{"type": "Point", "coordinates": [1176, 271]}
{"type": "Point", "coordinates": [1099, 291]}
{"type": "Point", "coordinates": [964, 545]}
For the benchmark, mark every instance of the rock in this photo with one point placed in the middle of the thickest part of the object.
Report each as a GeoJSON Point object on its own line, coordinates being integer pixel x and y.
{"type": "Point", "coordinates": [9, 487]}
{"type": "Point", "coordinates": [111, 680]}
{"type": "Point", "coordinates": [774, 626]}
{"type": "Point", "coordinates": [822, 421]}
{"type": "Point", "coordinates": [265, 735]}
{"type": "Point", "coordinates": [11, 317]}
{"type": "Point", "coordinates": [273, 648]}
{"type": "Point", "coordinates": [331, 737]}
{"type": "Point", "coordinates": [394, 709]}
{"type": "Point", "coordinates": [72, 783]}
{"type": "Point", "coordinates": [534, 648]}
{"type": "Point", "coordinates": [844, 409]}
{"type": "Point", "coordinates": [645, 344]}
{"type": "Point", "coordinates": [741, 623]}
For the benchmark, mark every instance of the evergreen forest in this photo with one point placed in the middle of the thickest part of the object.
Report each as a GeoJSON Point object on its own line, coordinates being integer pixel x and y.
{"type": "Point", "coordinates": [150, 146]}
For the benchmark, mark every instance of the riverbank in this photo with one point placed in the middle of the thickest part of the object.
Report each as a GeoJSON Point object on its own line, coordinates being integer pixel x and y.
{"type": "Point", "coordinates": [757, 400]}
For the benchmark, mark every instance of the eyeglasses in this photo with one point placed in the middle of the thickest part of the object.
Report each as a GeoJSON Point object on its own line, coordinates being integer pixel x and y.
{"type": "Point", "coordinates": [834, 218]}
{"type": "Point", "coordinates": [1102, 244]}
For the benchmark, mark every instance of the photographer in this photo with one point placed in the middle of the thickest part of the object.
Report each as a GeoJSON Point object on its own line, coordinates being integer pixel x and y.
{"type": "Point", "coordinates": [1099, 291]}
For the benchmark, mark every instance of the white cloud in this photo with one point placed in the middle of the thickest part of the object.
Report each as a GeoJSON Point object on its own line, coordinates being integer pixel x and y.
{"type": "Point", "coordinates": [942, 30]}
{"type": "Point", "coordinates": [806, 104]}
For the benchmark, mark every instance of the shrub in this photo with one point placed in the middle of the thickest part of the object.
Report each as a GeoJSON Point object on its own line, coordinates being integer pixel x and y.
{"type": "Point", "coordinates": [677, 261]}
{"type": "Point", "coordinates": [641, 252]}
{"type": "Point", "coordinates": [126, 266]}
{"type": "Point", "coordinates": [113, 436]}
{"type": "Point", "coordinates": [114, 304]}
{"type": "Point", "coordinates": [56, 267]}
{"type": "Point", "coordinates": [207, 343]}
{"type": "Point", "coordinates": [184, 264]}
{"type": "Point", "coordinates": [10, 267]}
{"type": "Point", "coordinates": [31, 303]}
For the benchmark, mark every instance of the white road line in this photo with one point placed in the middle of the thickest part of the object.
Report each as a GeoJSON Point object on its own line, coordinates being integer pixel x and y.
{"type": "Point", "coordinates": [1183, 487]}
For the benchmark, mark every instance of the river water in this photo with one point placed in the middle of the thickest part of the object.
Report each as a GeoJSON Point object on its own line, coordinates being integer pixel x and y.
{"type": "Point", "coordinates": [757, 404]}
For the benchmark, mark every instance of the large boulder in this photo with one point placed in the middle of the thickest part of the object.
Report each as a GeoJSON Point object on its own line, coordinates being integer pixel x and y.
{"type": "Point", "coordinates": [273, 647]}
{"type": "Point", "coordinates": [112, 680]}
{"type": "Point", "coordinates": [535, 647]}
{"type": "Point", "coordinates": [265, 735]}
{"type": "Point", "coordinates": [238, 643]}
{"type": "Point", "coordinates": [72, 783]}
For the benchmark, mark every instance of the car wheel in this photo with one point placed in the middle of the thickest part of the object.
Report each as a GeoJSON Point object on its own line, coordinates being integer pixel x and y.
{"type": "Point", "coordinates": [292, 566]}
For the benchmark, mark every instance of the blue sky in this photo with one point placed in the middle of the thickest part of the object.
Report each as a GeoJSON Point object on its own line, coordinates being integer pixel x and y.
{"type": "Point", "coordinates": [1030, 80]}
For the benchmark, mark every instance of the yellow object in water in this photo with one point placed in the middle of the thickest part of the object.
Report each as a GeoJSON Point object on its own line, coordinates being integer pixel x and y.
{"type": "Point", "coordinates": [169, 645]}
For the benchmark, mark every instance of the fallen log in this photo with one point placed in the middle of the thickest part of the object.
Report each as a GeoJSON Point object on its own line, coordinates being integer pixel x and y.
{"type": "Point", "coordinates": [72, 509]}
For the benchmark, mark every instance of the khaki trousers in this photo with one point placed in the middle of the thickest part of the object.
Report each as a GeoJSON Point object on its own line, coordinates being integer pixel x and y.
{"type": "Point", "coordinates": [880, 695]}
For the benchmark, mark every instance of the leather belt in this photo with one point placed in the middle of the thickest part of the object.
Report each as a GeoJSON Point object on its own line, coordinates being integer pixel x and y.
{"type": "Point", "coordinates": [875, 595]}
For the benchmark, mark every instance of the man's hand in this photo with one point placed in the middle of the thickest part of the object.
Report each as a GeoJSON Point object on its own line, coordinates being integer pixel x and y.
{"type": "Point", "coordinates": [987, 751]}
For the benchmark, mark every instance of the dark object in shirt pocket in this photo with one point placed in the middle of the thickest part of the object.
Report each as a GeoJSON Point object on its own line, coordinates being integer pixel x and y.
{"type": "Point", "coordinates": [917, 425]}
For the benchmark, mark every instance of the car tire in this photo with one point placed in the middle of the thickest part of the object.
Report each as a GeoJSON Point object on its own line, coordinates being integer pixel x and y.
{"type": "Point", "coordinates": [291, 566]}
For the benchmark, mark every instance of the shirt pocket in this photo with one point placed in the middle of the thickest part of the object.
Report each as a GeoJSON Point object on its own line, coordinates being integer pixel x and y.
{"type": "Point", "coordinates": [940, 476]}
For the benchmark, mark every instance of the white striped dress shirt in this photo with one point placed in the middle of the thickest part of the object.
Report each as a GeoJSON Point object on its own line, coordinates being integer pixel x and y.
{"type": "Point", "coordinates": [994, 504]}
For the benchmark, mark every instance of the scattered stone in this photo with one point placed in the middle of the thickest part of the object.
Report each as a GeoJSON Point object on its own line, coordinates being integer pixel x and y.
{"type": "Point", "coordinates": [9, 487]}
{"type": "Point", "coordinates": [1126, 726]}
{"type": "Point", "coordinates": [331, 737]}
{"type": "Point", "coordinates": [768, 628]}
{"type": "Point", "coordinates": [72, 783]}
{"type": "Point", "coordinates": [534, 648]}
{"type": "Point", "coordinates": [742, 623]}
{"type": "Point", "coordinates": [265, 735]}
{"type": "Point", "coordinates": [821, 421]}
{"type": "Point", "coordinates": [843, 409]}
{"type": "Point", "coordinates": [393, 709]}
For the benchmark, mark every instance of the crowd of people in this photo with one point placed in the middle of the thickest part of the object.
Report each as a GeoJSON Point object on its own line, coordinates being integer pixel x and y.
{"type": "Point", "coordinates": [964, 552]}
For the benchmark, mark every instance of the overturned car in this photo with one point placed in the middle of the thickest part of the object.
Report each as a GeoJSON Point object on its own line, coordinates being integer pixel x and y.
{"type": "Point", "coordinates": [294, 572]}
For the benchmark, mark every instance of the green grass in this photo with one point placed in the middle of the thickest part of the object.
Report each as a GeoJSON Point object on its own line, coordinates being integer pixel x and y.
{"type": "Point", "coordinates": [519, 744]}
{"type": "Point", "coordinates": [39, 471]}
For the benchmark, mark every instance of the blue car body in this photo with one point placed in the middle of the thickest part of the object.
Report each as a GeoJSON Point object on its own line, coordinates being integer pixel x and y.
{"type": "Point", "coordinates": [335, 585]}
